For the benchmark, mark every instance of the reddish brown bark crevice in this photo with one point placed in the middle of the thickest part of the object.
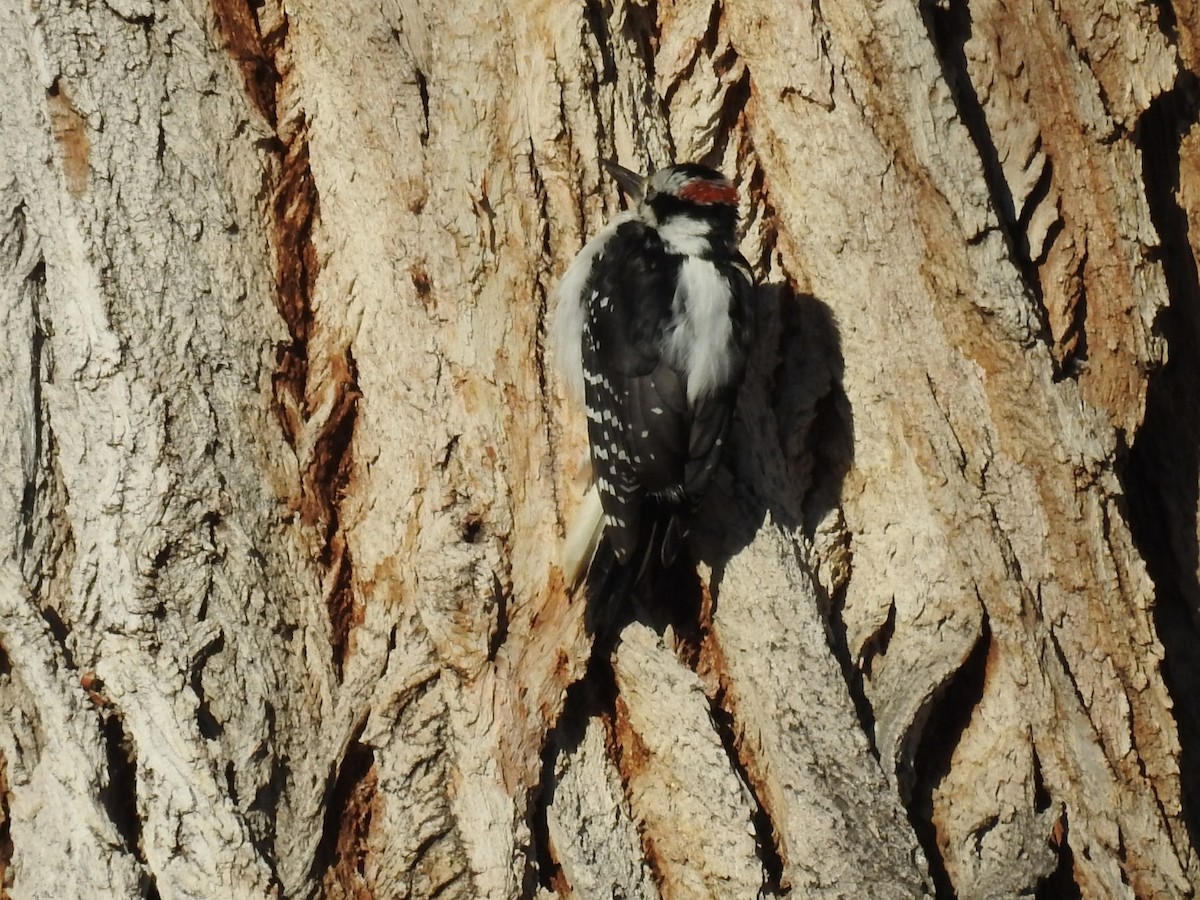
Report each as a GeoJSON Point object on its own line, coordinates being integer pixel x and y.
{"type": "Point", "coordinates": [296, 209]}
{"type": "Point", "coordinates": [713, 670]}
{"type": "Point", "coordinates": [344, 612]}
{"type": "Point", "coordinates": [630, 756]}
{"type": "Point", "coordinates": [353, 805]}
{"type": "Point", "coordinates": [317, 419]}
{"type": "Point", "coordinates": [326, 431]}
{"type": "Point", "coordinates": [327, 471]}
{"type": "Point", "coordinates": [253, 52]}
{"type": "Point", "coordinates": [625, 745]}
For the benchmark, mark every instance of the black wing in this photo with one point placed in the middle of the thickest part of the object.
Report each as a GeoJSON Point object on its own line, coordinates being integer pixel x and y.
{"type": "Point", "coordinates": [648, 442]}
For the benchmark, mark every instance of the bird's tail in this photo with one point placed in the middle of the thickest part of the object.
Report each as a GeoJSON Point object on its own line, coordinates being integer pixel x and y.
{"type": "Point", "coordinates": [583, 539]}
{"type": "Point", "coordinates": [589, 560]}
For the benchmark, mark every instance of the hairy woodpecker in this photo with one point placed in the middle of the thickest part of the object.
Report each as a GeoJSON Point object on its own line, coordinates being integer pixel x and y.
{"type": "Point", "coordinates": [652, 330]}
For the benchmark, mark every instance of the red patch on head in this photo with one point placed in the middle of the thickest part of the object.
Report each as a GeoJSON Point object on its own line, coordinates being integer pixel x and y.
{"type": "Point", "coordinates": [706, 192]}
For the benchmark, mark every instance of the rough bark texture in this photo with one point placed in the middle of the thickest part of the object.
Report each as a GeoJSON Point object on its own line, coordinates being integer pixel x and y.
{"type": "Point", "coordinates": [284, 472]}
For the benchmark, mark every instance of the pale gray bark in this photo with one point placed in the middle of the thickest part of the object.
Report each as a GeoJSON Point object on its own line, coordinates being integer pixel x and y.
{"type": "Point", "coordinates": [285, 473]}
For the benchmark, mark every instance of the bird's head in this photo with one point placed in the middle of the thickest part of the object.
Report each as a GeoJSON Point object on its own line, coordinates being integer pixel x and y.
{"type": "Point", "coordinates": [688, 191]}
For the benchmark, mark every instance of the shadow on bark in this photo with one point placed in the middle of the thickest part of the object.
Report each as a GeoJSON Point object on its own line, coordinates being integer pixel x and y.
{"type": "Point", "coordinates": [1161, 472]}
{"type": "Point", "coordinates": [794, 440]}
{"type": "Point", "coordinates": [794, 449]}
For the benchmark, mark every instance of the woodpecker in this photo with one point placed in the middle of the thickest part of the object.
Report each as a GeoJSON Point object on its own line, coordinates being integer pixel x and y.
{"type": "Point", "coordinates": [652, 331]}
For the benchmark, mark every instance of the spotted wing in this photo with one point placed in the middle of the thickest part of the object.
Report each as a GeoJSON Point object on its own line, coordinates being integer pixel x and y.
{"type": "Point", "coordinates": [636, 403]}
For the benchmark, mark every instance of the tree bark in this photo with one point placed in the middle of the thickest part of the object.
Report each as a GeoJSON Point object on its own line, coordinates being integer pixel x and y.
{"type": "Point", "coordinates": [285, 468]}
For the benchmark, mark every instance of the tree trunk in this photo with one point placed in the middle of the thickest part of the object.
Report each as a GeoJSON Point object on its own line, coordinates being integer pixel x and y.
{"type": "Point", "coordinates": [286, 470]}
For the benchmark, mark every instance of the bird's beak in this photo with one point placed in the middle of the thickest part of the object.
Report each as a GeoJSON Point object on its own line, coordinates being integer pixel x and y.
{"type": "Point", "coordinates": [633, 184]}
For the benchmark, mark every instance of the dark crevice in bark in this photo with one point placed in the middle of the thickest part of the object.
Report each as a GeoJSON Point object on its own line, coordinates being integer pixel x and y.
{"type": "Point", "coordinates": [1168, 22]}
{"type": "Point", "coordinates": [1070, 351]}
{"type": "Point", "coordinates": [641, 28]}
{"type": "Point", "coordinates": [595, 14]}
{"type": "Point", "coordinates": [343, 853]}
{"type": "Point", "coordinates": [329, 460]}
{"type": "Point", "coordinates": [119, 794]}
{"type": "Point", "coordinates": [345, 610]}
{"type": "Point", "coordinates": [688, 609]}
{"type": "Point", "coordinates": [325, 481]}
{"type": "Point", "coordinates": [210, 727]}
{"type": "Point", "coordinates": [1160, 473]}
{"type": "Point", "coordinates": [733, 107]}
{"type": "Point", "coordinates": [60, 632]}
{"type": "Point", "coordinates": [542, 291]}
{"type": "Point", "coordinates": [319, 418]}
{"type": "Point", "coordinates": [735, 95]}
{"type": "Point", "coordinates": [950, 713]}
{"type": "Point", "coordinates": [949, 27]}
{"type": "Point", "coordinates": [1038, 194]}
{"type": "Point", "coordinates": [254, 53]}
{"type": "Point", "coordinates": [500, 600]}
{"type": "Point", "coordinates": [36, 286]}
{"type": "Point", "coordinates": [47, 542]}
{"type": "Point", "coordinates": [542, 867]}
{"type": "Point", "coordinates": [295, 209]}
{"type": "Point", "coordinates": [1060, 884]}
{"type": "Point", "coordinates": [705, 46]}
{"type": "Point", "coordinates": [423, 92]}
{"type": "Point", "coordinates": [6, 844]}
{"type": "Point", "coordinates": [833, 609]}
{"type": "Point", "coordinates": [265, 802]}
{"type": "Point", "coordinates": [766, 839]}
{"type": "Point", "coordinates": [1041, 796]}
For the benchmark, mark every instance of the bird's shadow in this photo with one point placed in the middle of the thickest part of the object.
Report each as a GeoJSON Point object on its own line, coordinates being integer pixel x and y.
{"type": "Point", "coordinates": [791, 447]}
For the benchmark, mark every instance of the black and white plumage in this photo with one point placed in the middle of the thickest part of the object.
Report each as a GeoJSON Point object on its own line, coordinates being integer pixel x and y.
{"type": "Point", "coordinates": [652, 331]}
